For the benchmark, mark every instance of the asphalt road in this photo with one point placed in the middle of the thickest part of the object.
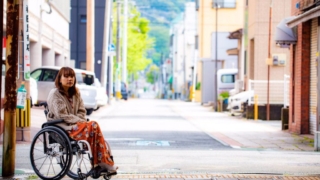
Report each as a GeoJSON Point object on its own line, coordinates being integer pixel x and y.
{"type": "Point", "coordinates": [149, 136]}
{"type": "Point", "coordinates": [153, 125]}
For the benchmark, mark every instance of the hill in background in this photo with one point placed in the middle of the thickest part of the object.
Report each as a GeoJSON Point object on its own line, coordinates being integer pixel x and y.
{"type": "Point", "coordinates": [160, 13]}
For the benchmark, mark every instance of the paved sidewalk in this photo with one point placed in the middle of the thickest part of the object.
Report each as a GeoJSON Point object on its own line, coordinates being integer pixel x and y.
{"type": "Point", "coordinates": [239, 132]}
{"type": "Point", "coordinates": [190, 177]}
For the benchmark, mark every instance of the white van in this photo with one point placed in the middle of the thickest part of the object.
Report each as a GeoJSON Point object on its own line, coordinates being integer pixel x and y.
{"type": "Point", "coordinates": [226, 79]}
{"type": "Point", "coordinates": [46, 75]}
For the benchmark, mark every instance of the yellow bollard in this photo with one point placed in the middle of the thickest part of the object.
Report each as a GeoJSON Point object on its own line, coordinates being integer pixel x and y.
{"type": "Point", "coordinates": [191, 93]}
{"type": "Point", "coordinates": [255, 107]}
{"type": "Point", "coordinates": [23, 116]}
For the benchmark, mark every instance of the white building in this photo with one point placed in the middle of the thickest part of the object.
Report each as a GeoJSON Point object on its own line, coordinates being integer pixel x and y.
{"type": "Point", "coordinates": [49, 33]}
{"type": "Point", "coordinates": [183, 31]}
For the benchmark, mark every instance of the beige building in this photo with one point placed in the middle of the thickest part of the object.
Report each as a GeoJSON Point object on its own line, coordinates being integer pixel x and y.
{"type": "Point", "coordinates": [230, 16]}
{"type": "Point", "coordinates": [257, 46]}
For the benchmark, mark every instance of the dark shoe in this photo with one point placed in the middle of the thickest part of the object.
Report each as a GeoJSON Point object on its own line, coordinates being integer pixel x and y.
{"type": "Point", "coordinates": [112, 173]}
{"type": "Point", "coordinates": [95, 172]}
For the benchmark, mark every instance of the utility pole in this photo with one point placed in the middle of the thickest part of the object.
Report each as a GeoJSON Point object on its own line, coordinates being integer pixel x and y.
{"type": "Point", "coordinates": [90, 35]}
{"type": "Point", "coordinates": [125, 41]}
{"type": "Point", "coordinates": [110, 58]}
{"type": "Point", "coordinates": [118, 84]}
{"type": "Point", "coordinates": [1, 61]}
{"type": "Point", "coordinates": [216, 63]}
{"type": "Point", "coordinates": [269, 56]}
{"type": "Point", "coordinates": [23, 115]}
{"type": "Point", "coordinates": [105, 51]}
{"type": "Point", "coordinates": [9, 134]}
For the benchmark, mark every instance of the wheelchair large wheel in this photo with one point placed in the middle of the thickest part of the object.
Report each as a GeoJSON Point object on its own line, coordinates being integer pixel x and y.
{"type": "Point", "coordinates": [81, 160]}
{"type": "Point", "coordinates": [51, 153]}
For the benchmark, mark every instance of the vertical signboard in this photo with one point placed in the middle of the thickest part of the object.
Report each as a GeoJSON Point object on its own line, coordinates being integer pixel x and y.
{"type": "Point", "coordinates": [26, 43]}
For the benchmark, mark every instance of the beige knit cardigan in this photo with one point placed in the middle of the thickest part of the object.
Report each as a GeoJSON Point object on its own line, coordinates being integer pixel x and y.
{"type": "Point", "coordinates": [60, 108]}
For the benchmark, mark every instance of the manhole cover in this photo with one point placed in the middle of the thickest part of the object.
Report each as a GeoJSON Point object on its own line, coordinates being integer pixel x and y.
{"type": "Point", "coordinates": [152, 143]}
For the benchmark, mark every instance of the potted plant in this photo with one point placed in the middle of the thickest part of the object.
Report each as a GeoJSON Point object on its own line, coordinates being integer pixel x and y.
{"type": "Point", "coordinates": [223, 97]}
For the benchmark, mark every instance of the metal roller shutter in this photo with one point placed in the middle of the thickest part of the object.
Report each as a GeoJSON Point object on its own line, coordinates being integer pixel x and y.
{"type": "Point", "coordinates": [313, 76]}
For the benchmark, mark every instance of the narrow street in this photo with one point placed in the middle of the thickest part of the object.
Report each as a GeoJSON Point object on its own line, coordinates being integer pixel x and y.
{"type": "Point", "coordinates": [163, 136]}
{"type": "Point", "coordinates": [172, 139]}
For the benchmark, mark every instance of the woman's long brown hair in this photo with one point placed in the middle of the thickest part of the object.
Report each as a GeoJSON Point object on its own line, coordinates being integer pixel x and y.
{"type": "Point", "coordinates": [67, 71]}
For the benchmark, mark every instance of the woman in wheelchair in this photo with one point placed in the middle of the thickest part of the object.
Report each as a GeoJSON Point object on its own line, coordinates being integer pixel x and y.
{"type": "Point", "coordinates": [64, 102]}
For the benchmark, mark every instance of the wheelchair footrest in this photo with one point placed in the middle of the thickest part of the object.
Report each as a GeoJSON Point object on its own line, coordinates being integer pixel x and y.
{"type": "Point", "coordinates": [109, 173]}
{"type": "Point", "coordinates": [96, 172]}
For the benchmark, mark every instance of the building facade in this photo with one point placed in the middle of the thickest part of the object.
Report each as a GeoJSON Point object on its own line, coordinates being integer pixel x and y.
{"type": "Point", "coordinates": [230, 17]}
{"type": "Point", "coordinates": [182, 51]}
{"type": "Point", "coordinates": [259, 43]}
{"type": "Point", "coordinates": [49, 40]}
{"type": "Point", "coordinates": [78, 35]}
{"type": "Point", "coordinates": [49, 33]}
{"type": "Point", "coordinates": [304, 67]}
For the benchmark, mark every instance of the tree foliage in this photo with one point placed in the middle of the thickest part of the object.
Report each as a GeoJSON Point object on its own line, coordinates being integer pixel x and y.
{"type": "Point", "coordinates": [138, 40]}
{"type": "Point", "coordinates": [161, 45]}
{"type": "Point", "coordinates": [160, 13]}
{"type": "Point", "coordinates": [152, 74]}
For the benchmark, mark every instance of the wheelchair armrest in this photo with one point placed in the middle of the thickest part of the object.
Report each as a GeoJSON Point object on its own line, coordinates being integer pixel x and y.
{"type": "Point", "coordinates": [53, 122]}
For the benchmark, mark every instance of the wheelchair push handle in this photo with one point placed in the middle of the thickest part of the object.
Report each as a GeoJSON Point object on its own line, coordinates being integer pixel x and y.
{"type": "Point", "coordinates": [44, 104]}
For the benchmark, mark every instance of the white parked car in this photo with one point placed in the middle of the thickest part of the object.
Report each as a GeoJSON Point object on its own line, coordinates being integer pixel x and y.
{"type": "Point", "coordinates": [33, 91]}
{"type": "Point", "coordinates": [235, 101]}
{"type": "Point", "coordinates": [46, 75]}
{"type": "Point", "coordinates": [102, 97]}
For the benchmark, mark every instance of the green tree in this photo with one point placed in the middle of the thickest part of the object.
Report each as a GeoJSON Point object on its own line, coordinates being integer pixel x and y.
{"type": "Point", "coordinates": [161, 45]}
{"type": "Point", "coordinates": [152, 74]}
{"type": "Point", "coordinates": [160, 13]}
{"type": "Point", "coordinates": [138, 41]}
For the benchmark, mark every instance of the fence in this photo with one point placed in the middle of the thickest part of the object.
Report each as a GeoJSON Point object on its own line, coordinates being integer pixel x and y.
{"type": "Point", "coordinates": [278, 91]}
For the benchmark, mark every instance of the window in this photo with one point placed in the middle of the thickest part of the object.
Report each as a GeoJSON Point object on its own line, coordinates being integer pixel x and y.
{"type": "Point", "coordinates": [224, 3]}
{"type": "Point", "coordinates": [36, 74]}
{"type": "Point", "coordinates": [49, 75]}
{"type": "Point", "coordinates": [197, 4]}
{"type": "Point", "coordinates": [196, 43]}
{"type": "Point", "coordinates": [228, 78]}
{"type": "Point", "coordinates": [83, 65]}
{"type": "Point", "coordinates": [171, 39]}
{"type": "Point", "coordinates": [83, 18]}
{"type": "Point", "coordinates": [83, 78]}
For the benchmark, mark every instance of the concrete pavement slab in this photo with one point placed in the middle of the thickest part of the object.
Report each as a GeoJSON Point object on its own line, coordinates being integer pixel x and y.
{"type": "Point", "coordinates": [240, 132]}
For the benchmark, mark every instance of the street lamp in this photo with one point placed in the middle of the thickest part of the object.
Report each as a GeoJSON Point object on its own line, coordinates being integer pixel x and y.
{"type": "Point", "coordinates": [216, 5]}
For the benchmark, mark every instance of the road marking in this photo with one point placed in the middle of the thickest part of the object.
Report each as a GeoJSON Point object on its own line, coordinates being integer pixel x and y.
{"type": "Point", "coordinates": [152, 143]}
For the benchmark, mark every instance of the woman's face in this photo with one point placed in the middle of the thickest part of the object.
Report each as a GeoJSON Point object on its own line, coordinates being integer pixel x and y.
{"type": "Point", "coordinates": [67, 81]}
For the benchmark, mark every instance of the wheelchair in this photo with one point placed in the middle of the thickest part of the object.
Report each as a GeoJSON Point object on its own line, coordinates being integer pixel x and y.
{"type": "Point", "coordinates": [53, 154]}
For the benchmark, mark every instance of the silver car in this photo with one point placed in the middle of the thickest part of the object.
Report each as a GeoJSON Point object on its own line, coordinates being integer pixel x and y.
{"type": "Point", "coordinates": [46, 75]}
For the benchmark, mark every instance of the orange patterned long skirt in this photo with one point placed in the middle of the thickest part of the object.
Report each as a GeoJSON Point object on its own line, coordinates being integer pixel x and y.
{"type": "Point", "coordinates": [90, 131]}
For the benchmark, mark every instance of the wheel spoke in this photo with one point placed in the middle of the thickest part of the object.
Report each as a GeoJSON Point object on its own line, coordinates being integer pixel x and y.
{"type": "Point", "coordinates": [49, 148]}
